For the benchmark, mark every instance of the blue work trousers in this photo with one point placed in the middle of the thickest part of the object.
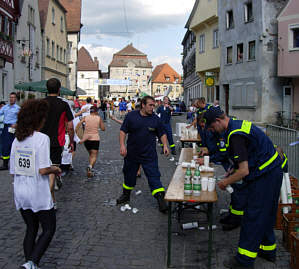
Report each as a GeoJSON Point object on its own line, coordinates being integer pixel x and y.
{"type": "Point", "coordinates": [7, 139]}
{"type": "Point", "coordinates": [151, 171]}
{"type": "Point", "coordinates": [168, 130]}
{"type": "Point", "coordinates": [238, 200]}
{"type": "Point", "coordinates": [257, 232]}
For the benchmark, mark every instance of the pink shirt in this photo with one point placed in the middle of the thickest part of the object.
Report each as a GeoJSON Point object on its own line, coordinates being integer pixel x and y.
{"type": "Point", "coordinates": [92, 124]}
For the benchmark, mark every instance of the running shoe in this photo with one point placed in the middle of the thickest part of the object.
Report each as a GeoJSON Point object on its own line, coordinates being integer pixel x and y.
{"type": "Point", "coordinates": [59, 181]}
{"type": "Point", "coordinates": [89, 172]}
{"type": "Point", "coordinates": [29, 265]}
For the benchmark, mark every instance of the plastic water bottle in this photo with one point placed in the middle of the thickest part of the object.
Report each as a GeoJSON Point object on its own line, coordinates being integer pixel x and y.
{"type": "Point", "coordinates": [188, 182]}
{"type": "Point", "coordinates": [196, 183]}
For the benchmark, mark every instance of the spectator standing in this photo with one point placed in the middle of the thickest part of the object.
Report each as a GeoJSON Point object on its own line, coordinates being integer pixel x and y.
{"type": "Point", "coordinates": [10, 113]}
{"type": "Point", "coordinates": [2, 103]}
{"type": "Point", "coordinates": [59, 113]}
{"type": "Point", "coordinates": [31, 180]}
{"type": "Point", "coordinates": [104, 108]}
{"type": "Point", "coordinates": [77, 104]}
{"type": "Point", "coordinates": [122, 107]}
{"type": "Point", "coordinates": [164, 112]}
{"type": "Point", "coordinates": [142, 127]}
{"type": "Point", "coordinates": [129, 106]}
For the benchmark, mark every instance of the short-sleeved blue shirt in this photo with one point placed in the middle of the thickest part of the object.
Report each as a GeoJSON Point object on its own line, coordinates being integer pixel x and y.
{"type": "Point", "coordinates": [142, 132]}
{"type": "Point", "coordinates": [10, 113]}
{"type": "Point", "coordinates": [165, 113]}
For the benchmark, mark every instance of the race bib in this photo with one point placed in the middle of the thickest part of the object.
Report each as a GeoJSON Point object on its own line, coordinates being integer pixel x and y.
{"type": "Point", "coordinates": [25, 162]}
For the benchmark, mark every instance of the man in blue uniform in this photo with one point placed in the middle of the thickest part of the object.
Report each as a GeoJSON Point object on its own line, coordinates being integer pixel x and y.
{"type": "Point", "coordinates": [164, 112]}
{"type": "Point", "coordinates": [10, 112]}
{"type": "Point", "coordinates": [142, 127]}
{"type": "Point", "coordinates": [259, 166]}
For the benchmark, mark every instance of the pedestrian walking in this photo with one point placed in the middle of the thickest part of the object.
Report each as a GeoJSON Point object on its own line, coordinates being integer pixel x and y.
{"type": "Point", "coordinates": [91, 137]}
{"type": "Point", "coordinates": [10, 113]}
{"type": "Point", "coordinates": [259, 166]}
{"type": "Point", "coordinates": [164, 112]}
{"type": "Point", "coordinates": [122, 107]}
{"type": "Point", "coordinates": [142, 127]}
{"type": "Point", "coordinates": [59, 114]}
{"type": "Point", "coordinates": [31, 165]}
{"type": "Point", "coordinates": [2, 104]}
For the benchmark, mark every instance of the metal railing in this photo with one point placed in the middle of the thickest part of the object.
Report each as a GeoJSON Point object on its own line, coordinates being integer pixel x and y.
{"type": "Point", "coordinates": [283, 137]}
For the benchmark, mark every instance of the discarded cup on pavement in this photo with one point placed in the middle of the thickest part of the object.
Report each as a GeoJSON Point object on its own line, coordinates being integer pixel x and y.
{"type": "Point", "coordinates": [190, 225]}
{"type": "Point", "coordinates": [138, 192]}
{"type": "Point", "coordinates": [135, 210]}
{"type": "Point", "coordinates": [127, 206]}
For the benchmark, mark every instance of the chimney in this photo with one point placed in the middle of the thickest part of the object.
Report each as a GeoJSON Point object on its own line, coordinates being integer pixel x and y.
{"type": "Point", "coordinates": [96, 62]}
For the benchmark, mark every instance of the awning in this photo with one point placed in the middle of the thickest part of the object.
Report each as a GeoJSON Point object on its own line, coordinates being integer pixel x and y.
{"type": "Point", "coordinates": [41, 86]}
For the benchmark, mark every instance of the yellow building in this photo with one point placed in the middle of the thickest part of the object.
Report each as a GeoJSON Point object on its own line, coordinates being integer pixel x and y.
{"type": "Point", "coordinates": [54, 40]}
{"type": "Point", "coordinates": [166, 80]}
{"type": "Point", "coordinates": [204, 24]}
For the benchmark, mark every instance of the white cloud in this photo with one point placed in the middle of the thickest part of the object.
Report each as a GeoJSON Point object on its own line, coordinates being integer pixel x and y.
{"type": "Point", "coordinates": [174, 62]}
{"type": "Point", "coordinates": [104, 54]}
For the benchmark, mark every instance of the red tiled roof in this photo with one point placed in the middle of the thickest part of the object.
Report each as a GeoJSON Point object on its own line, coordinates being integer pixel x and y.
{"type": "Point", "coordinates": [162, 71]}
{"type": "Point", "coordinates": [73, 15]}
{"type": "Point", "coordinates": [85, 62]}
{"type": "Point", "coordinates": [130, 54]}
{"type": "Point", "coordinates": [43, 10]}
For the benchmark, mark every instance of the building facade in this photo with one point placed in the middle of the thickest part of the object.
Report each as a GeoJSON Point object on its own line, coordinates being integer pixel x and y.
{"type": "Point", "coordinates": [28, 44]}
{"type": "Point", "coordinates": [133, 65]}
{"type": "Point", "coordinates": [165, 80]}
{"type": "Point", "coordinates": [54, 40]}
{"type": "Point", "coordinates": [88, 74]}
{"type": "Point", "coordinates": [9, 14]}
{"type": "Point", "coordinates": [288, 58]}
{"type": "Point", "coordinates": [204, 24]}
{"type": "Point", "coordinates": [249, 86]}
{"type": "Point", "coordinates": [73, 26]}
{"type": "Point", "coordinates": [192, 84]}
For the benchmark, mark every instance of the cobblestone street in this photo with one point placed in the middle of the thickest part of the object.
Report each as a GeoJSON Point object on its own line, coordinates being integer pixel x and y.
{"type": "Point", "coordinates": [93, 233]}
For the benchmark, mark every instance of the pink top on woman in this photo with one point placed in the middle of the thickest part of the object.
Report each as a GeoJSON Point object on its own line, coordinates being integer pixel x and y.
{"type": "Point", "coordinates": [92, 124]}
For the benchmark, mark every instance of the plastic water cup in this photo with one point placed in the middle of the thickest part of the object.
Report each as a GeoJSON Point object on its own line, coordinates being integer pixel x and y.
{"type": "Point", "coordinates": [190, 225]}
{"type": "Point", "coordinates": [211, 184]}
{"type": "Point", "coordinates": [206, 160]}
{"type": "Point", "coordinates": [204, 183]}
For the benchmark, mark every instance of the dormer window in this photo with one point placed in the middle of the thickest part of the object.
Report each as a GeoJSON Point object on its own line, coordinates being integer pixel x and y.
{"type": "Point", "coordinates": [167, 78]}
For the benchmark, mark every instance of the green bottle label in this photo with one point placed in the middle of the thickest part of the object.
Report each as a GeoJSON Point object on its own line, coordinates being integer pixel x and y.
{"type": "Point", "coordinates": [197, 187]}
{"type": "Point", "coordinates": [188, 187]}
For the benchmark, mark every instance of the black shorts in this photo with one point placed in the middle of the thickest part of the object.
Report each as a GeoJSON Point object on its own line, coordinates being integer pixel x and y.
{"type": "Point", "coordinates": [56, 155]}
{"type": "Point", "coordinates": [92, 144]}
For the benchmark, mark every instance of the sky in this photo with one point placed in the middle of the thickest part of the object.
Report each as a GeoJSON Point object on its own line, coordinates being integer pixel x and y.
{"type": "Point", "coordinates": [155, 27]}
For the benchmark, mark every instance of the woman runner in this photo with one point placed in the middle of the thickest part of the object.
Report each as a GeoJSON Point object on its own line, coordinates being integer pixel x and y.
{"type": "Point", "coordinates": [30, 164]}
{"type": "Point", "coordinates": [91, 137]}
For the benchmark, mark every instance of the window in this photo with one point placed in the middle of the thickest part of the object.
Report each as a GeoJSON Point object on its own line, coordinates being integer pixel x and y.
{"type": "Point", "coordinates": [294, 36]}
{"type": "Point", "coordinates": [248, 14]}
{"type": "Point", "coordinates": [239, 53]}
{"type": "Point", "coordinates": [6, 26]}
{"type": "Point", "coordinates": [229, 20]}
{"type": "Point", "coordinates": [244, 95]}
{"type": "Point", "coordinates": [201, 43]}
{"type": "Point", "coordinates": [61, 55]}
{"type": "Point", "coordinates": [61, 24]}
{"type": "Point", "coordinates": [251, 50]}
{"type": "Point", "coordinates": [82, 75]}
{"type": "Point", "coordinates": [229, 55]}
{"type": "Point", "coordinates": [143, 72]}
{"type": "Point", "coordinates": [31, 16]}
{"type": "Point", "coordinates": [215, 38]}
{"type": "Point", "coordinates": [48, 47]}
{"type": "Point", "coordinates": [57, 53]}
{"type": "Point", "coordinates": [167, 78]}
{"type": "Point", "coordinates": [53, 49]}
{"type": "Point", "coordinates": [53, 15]}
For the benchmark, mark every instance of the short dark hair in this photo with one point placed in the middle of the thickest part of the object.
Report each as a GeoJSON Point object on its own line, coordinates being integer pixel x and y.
{"type": "Point", "coordinates": [145, 98]}
{"type": "Point", "coordinates": [202, 100]}
{"type": "Point", "coordinates": [2, 103]}
{"type": "Point", "coordinates": [53, 85]}
{"type": "Point", "coordinates": [88, 100]}
{"type": "Point", "coordinates": [13, 93]}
